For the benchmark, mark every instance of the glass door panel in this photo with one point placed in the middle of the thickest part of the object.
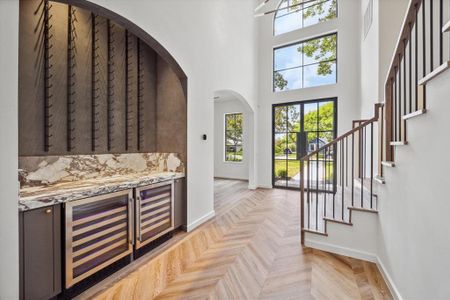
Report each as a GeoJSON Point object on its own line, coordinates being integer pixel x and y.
{"type": "Point", "coordinates": [301, 128]}
{"type": "Point", "coordinates": [280, 159]}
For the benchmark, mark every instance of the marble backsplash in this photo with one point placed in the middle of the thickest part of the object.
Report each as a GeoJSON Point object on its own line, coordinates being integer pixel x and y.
{"type": "Point", "coordinates": [46, 170]}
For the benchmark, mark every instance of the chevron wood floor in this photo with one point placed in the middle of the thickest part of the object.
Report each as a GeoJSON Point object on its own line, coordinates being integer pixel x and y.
{"type": "Point", "coordinates": [250, 250]}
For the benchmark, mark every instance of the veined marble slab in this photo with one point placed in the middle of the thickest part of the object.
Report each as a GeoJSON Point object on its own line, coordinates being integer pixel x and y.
{"type": "Point", "coordinates": [49, 170]}
{"type": "Point", "coordinates": [33, 197]}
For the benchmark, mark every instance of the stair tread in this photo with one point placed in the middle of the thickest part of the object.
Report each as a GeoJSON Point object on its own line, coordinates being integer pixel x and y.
{"type": "Point", "coordinates": [446, 27]}
{"type": "Point", "coordinates": [379, 179]}
{"type": "Point", "coordinates": [414, 114]}
{"type": "Point", "coordinates": [388, 163]}
{"type": "Point", "coordinates": [338, 221]}
{"type": "Point", "coordinates": [435, 73]}
{"type": "Point", "coordinates": [399, 143]}
{"type": "Point", "coordinates": [315, 231]}
{"type": "Point", "coordinates": [371, 210]}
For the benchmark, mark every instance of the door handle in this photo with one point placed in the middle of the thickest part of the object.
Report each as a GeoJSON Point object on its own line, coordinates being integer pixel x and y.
{"type": "Point", "coordinates": [130, 221]}
{"type": "Point", "coordinates": [138, 218]}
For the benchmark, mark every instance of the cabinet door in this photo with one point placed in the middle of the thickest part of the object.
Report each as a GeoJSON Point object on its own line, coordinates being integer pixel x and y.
{"type": "Point", "coordinates": [154, 212]}
{"type": "Point", "coordinates": [180, 202]}
{"type": "Point", "coordinates": [99, 232]}
{"type": "Point", "coordinates": [41, 252]}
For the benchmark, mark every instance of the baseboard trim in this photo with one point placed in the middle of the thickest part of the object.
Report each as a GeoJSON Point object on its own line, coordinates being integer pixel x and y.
{"type": "Point", "coordinates": [231, 178]}
{"type": "Point", "coordinates": [200, 221]}
{"type": "Point", "coordinates": [358, 255]}
{"type": "Point", "coordinates": [388, 279]}
{"type": "Point", "coordinates": [264, 186]}
{"type": "Point", "coordinates": [341, 250]}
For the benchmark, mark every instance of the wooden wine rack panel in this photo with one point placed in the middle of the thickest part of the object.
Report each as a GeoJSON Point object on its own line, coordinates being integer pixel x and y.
{"type": "Point", "coordinates": [99, 231]}
{"type": "Point", "coordinates": [154, 212]}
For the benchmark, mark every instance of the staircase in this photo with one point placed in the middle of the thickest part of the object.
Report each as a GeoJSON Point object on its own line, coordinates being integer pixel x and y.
{"type": "Point", "coordinates": [343, 176]}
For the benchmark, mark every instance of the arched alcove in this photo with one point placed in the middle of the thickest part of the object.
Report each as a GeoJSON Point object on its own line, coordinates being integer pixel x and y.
{"type": "Point", "coordinates": [93, 82]}
{"type": "Point", "coordinates": [136, 30]}
{"type": "Point", "coordinates": [221, 96]}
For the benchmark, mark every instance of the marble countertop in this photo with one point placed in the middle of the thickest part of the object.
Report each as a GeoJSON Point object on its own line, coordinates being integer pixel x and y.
{"type": "Point", "coordinates": [47, 195]}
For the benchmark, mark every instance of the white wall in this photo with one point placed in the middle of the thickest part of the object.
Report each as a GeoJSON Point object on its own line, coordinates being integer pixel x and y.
{"type": "Point", "coordinates": [377, 50]}
{"type": "Point", "coordinates": [9, 232]}
{"type": "Point", "coordinates": [370, 62]}
{"type": "Point", "coordinates": [347, 89]}
{"type": "Point", "coordinates": [214, 42]}
{"type": "Point", "coordinates": [222, 168]}
{"type": "Point", "coordinates": [414, 243]}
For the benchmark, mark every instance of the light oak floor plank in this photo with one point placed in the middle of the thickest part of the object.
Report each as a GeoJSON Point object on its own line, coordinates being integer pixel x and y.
{"type": "Point", "coordinates": [250, 250]}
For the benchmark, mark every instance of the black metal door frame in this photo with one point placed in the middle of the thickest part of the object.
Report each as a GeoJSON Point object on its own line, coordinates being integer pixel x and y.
{"type": "Point", "coordinates": [302, 129]}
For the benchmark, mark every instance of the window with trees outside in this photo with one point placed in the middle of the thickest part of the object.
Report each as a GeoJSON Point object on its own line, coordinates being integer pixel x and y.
{"type": "Point", "coordinates": [296, 14]}
{"type": "Point", "coordinates": [306, 64]}
{"type": "Point", "coordinates": [233, 137]}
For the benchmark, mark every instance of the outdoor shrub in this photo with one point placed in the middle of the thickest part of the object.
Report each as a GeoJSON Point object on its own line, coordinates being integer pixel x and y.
{"type": "Point", "coordinates": [282, 173]}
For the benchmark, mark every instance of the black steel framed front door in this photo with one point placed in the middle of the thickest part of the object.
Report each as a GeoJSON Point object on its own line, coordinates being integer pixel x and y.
{"type": "Point", "coordinates": [300, 128]}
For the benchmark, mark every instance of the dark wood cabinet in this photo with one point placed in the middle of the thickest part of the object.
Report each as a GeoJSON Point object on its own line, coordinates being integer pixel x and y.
{"type": "Point", "coordinates": [180, 202]}
{"type": "Point", "coordinates": [40, 253]}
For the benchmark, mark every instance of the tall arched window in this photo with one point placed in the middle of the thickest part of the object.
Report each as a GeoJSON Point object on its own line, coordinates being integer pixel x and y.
{"type": "Point", "coordinates": [296, 14]}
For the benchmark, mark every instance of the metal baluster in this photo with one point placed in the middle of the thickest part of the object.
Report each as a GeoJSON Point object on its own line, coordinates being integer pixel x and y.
{"type": "Point", "coordinates": [404, 84]}
{"type": "Point", "coordinates": [346, 159]}
{"type": "Point", "coordinates": [342, 179]}
{"type": "Point", "coordinates": [441, 35]}
{"type": "Point", "coordinates": [362, 165]}
{"type": "Point", "coordinates": [431, 37]}
{"type": "Point", "coordinates": [302, 201]}
{"type": "Point", "coordinates": [317, 187]}
{"type": "Point", "coordinates": [399, 111]}
{"type": "Point", "coordinates": [371, 165]}
{"type": "Point", "coordinates": [334, 179]}
{"type": "Point", "coordinates": [416, 60]}
{"type": "Point", "coordinates": [308, 193]}
{"type": "Point", "coordinates": [424, 44]}
{"type": "Point", "coordinates": [353, 170]}
{"type": "Point", "coordinates": [394, 115]}
{"type": "Point", "coordinates": [410, 67]}
{"type": "Point", "coordinates": [324, 180]}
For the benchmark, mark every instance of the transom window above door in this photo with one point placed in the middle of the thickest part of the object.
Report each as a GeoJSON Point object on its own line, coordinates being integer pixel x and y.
{"type": "Point", "coordinates": [296, 14]}
{"type": "Point", "coordinates": [305, 64]}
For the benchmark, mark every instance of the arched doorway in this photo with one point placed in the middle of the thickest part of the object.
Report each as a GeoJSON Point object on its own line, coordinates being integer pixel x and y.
{"type": "Point", "coordinates": [234, 137]}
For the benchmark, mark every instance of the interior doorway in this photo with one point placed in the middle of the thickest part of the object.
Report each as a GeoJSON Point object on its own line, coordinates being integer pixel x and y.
{"type": "Point", "coordinates": [234, 137]}
{"type": "Point", "coordinates": [299, 128]}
